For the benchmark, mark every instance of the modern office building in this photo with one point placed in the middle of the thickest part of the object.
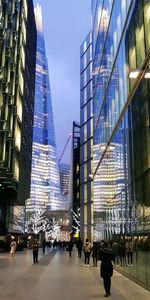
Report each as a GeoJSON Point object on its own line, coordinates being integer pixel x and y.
{"type": "Point", "coordinates": [45, 181]}
{"type": "Point", "coordinates": [121, 86]}
{"type": "Point", "coordinates": [109, 179]}
{"type": "Point", "coordinates": [64, 172]}
{"type": "Point", "coordinates": [17, 82]}
{"type": "Point", "coordinates": [74, 186]}
{"type": "Point", "coordinates": [86, 138]}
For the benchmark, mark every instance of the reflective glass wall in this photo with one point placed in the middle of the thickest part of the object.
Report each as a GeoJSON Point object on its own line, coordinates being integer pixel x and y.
{"type": "Point", "coordinates": [86, 138]}
{"type": "Point", "coordinates": [121, 159]}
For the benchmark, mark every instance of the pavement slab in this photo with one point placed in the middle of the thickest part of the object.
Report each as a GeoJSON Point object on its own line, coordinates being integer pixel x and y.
{"type": "Point", "coordinates": [59, 277]}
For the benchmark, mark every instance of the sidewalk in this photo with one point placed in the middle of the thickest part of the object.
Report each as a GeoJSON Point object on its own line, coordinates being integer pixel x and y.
{"type": "Point", "coordinates": [58, 277]}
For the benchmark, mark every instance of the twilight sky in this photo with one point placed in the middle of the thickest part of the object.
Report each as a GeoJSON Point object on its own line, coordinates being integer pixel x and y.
{"type": "Point", "coordinates": [66, 24]}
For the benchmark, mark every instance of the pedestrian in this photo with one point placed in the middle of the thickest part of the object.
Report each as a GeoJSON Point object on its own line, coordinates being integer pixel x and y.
{"type": "Point", "coordinates": [106, 270]}
{"type": "Point", "coordinates": [35, 248]}
{"type": "Point", "coordinates": [13, 246]}
{"type": "Point", "coordinates": [87, 251]}
{"type": "Point", "coordinates": [43, 246]}
{"type": "Point", "coordinates": [115, 248]}
{"type": "Point", "coordinates": [70, 247]}
{"type": "Point", "coordinates": [95, 253]}
{"type": "Point", "coordinates": [122, 254]}
{"type": "Point", "coordinates": [79, 245]}
{"type": "Point", "coordinates": [129, 251]}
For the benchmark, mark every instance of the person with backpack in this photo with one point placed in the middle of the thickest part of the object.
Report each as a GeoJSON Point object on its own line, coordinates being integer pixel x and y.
{"type": "Point", "coordinates": [87, 251]}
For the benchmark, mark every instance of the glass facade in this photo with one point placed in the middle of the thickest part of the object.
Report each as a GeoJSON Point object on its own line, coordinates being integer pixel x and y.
{"type": "Point", "coordinates": [74, 184]}
{"type": "Point", "coordinates": [86, 137]}
{"type": "Point", "coordinates": [64, 172]}
{"type": "Point", "coordinates": [17, 85]}
{"type": "Point", "coordinates": [45, 181]}
{"type": "Point", "coordinates": [121, 161]}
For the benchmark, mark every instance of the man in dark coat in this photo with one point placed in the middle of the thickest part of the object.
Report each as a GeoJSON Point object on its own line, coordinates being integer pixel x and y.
{"type": "Point", "coordinates": [35, 248]}
{"type": "Point", "coordinates": [70, 247]}
{"type": "Point", "coordinates": [79, 245]}
{"type": "Point", "coordinates": [106, 256]}
{"type": "Point", "coordinates": [44, 245]}
{"type": "Point", "coordinates": [95, 252]}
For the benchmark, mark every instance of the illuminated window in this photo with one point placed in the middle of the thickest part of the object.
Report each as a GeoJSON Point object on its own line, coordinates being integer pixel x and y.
{"type": "Point", "coordinates": [25, 8]}
{"type": "Point", "coordinates": [85, 214]}
{"type": "Point", "coordinates": [85, 151]}
{"type": "Point", "coordinates": [17, 136]}
{"type": "Point", "coordinates": [21, 82]}
{"type": "Point", "coordinates": [85, 172]}
{"type": "Point", "coordinates": [85, 113]}
{"type": "Point", "coordinates": [91, 125]}
{"type": "Point", "coordinates": [85, 77]}
{"type": "Point", "coordinates": [19, 107]}
{"type": "Point", "coordinates": [24, 30]}
{"type": "Point", "coordinates": [85, 46]}
{"type": "Point", "coordinates": [16, 169]}
{"type": "Point", "coordinates": [23, 56]}
{"type": "Point", "coordinates": [85, 192]}
{"type": "Point", "coordinates": [85, 132]}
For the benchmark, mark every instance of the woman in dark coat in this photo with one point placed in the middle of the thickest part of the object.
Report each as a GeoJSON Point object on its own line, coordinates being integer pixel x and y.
{"type": "Point", "coordinates": [106, 257]}
{"type": "Point", "coordinates": [95, 254]}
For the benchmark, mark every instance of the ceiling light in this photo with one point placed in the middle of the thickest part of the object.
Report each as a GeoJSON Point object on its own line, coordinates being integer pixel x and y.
{"type": "Point", "coordinates": [147, 75]}
{"type": "Point", "coordinates": [134, 74]}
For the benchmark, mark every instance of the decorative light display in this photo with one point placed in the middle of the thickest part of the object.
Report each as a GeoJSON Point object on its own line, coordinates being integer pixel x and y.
{"type": "Point", "coordinates": [40, 222]}
{"type": "Point", "coordinates": [76, 220]}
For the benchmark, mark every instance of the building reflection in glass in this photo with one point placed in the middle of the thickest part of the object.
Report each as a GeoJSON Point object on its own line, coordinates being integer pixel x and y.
{"type": "Point", "coordinates": [109, 212]}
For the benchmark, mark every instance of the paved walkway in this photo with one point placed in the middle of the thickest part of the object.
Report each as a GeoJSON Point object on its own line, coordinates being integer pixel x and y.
{"type": "Point", "coordinates": [57, 277]}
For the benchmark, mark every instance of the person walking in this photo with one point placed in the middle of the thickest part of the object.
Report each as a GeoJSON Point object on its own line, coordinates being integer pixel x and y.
{"type": "Point", "coordinates": [115, 248]}
{"type": "Point", "coordinates": [35, 248]}
{"type": "Point", "coordinates": [87, 251]}
{"type": "Point", "coordinates": [79, 245]}
{"type": "Point", "coordinates": [95, 253]}
{"type": "Point", "coordinates": [122, 254]}
{"type": "Point", "coordinates": [70, 247]}
{"type": "Point", "coordinates": [43, 246]}
{"type": "Point", "coordinates": [129, 250]}
{"type": "Point", "coordinates": [106, 270]}
{"type": "Point", "coordinates": [13, 246]}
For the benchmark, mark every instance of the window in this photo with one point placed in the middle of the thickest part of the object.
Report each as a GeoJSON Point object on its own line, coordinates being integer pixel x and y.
{"type": "Point", "coordinates": [85, 172]}
{"type": "Point", "coordinates": [16, 169]}
{"type": "Point", "coordinates": [147, 22]}
{"type": "Point", "coordinates": [85, 193]}
{"type": "Point", "coordinates": [139, 32]}
{"type": "Point", "coordinates": [85, 214]}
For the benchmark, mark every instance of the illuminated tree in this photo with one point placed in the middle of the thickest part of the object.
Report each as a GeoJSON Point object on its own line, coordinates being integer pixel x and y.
{"type": "Point", "coordinates": [41, 222]}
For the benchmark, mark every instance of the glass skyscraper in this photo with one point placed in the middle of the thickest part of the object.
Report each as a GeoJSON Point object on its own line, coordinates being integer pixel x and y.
{"type": "Point", "coordinates": [17, 85]}
{"type": "Point", "coordinates": [64, 172]}
{"type": "Point", "coordinates": [109, 179]}
{"type": "Point", "coordinates": [121, 137]}
{"type": "Point", "coordinates": [45, 180]}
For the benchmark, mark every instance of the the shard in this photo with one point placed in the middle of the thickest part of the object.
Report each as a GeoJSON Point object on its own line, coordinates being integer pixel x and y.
{"type": "Point", "coordinates": [45, 181]}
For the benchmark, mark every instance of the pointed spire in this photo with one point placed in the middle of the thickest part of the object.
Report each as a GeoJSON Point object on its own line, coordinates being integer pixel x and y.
{"type": "Point", "coordinates": [38, 17]}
